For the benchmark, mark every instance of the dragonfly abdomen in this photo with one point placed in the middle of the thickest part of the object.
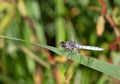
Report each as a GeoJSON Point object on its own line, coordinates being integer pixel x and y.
{"type": "Point", "coordinates": [89, 47]}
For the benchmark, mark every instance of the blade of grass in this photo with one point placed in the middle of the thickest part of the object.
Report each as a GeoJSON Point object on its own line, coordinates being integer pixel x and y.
{"type": "Point", "coordinates": [103, 79]}
{"type": "Point", "coordinates": [60, 28]}
{"type": "Point", "coordinates": [107, 68]}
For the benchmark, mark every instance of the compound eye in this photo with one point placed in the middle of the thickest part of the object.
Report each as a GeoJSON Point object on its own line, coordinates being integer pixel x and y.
{"type": "Point", "coordinates": [62, 44]}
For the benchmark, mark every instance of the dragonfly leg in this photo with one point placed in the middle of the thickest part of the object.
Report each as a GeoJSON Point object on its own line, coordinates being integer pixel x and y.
{"type": "Point", "coordinates": [67, 64]}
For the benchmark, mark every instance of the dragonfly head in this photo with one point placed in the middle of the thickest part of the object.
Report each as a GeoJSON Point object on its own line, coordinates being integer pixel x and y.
{"type": "Point", "coordinates": [62, 44]}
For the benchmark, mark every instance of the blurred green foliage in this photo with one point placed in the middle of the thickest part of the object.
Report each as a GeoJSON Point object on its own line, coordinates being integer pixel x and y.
{"type": "Point", "coordinates": [88, 22]}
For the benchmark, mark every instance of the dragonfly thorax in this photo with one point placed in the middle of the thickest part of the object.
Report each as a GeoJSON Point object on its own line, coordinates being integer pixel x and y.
{"type": "Point", "coordinates": [68, 44]}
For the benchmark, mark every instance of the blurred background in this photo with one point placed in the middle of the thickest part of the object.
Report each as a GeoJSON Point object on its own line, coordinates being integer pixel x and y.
{"type": "Point", "coordinates": [87, 22]}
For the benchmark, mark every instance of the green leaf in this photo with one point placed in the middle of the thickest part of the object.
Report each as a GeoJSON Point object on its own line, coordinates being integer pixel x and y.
{"type": "Point", "coordinates": [107, 68]}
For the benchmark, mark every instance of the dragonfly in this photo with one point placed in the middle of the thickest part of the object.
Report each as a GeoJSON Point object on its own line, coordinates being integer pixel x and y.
{"type": "Point", "coordinates": [70, 45]}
